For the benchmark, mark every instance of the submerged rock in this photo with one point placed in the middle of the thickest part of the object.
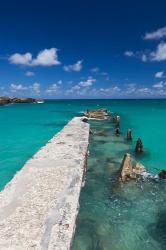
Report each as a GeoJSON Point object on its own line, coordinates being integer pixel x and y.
{"type": "Point", "coordinates": [117, 131]}
{"type": "Point", "coordinates": [129, 171]}
{"type": "Point", "coordinates": [162, 174]}
{"type": "Point", "coordinates": [126, 170]}
{"type": "Point", "coordinates": [139, 168]}
{"type": "Point", "coordinates": [102, 133]}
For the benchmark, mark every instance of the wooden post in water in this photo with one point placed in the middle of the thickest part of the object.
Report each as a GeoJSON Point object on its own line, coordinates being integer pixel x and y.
{"type": "Point", "coordinates": [129, 134]}
{"type": "Point", "coordinates": [139, 146]}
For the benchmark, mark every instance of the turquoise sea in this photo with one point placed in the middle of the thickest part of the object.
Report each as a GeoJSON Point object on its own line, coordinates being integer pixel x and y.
{"type": "Point", "coordinates": [111, 217]}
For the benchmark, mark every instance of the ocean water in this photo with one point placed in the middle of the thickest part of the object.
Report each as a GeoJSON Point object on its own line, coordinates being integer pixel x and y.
{"type": "Point", "coordinates": [115, 215]}
{"type": "Point", "coordinates": [112, 216]}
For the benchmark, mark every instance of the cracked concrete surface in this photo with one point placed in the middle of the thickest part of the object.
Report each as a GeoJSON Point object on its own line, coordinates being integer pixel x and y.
{"type": "Point", "coordinates": [39, 206]}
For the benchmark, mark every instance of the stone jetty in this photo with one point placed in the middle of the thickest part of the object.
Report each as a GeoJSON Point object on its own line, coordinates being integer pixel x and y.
{"type": "Point", "coordinates": [39, 206]}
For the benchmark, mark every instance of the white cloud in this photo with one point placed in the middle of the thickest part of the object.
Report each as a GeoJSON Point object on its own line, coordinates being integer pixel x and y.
{"type": "Point", "coordinates": [95, 70]}
{"type": "Point", "coordinates": [159, 74]}
{"type": "Point", "coordinates": [87, 83]}
{"type": "Point", "coordinates": [82, 87]}
{"type": "Point", "coordinates": [52, 89]}
{"type": "Point", "coordinates": [159, 54]}
{"type": "Point", "coordinates": [46, 57]}
{"type": "Point", "coordinates": [73, 67]}
{"type": "Point", "coordinates": [29, 73]}
{"type": "Point", "coordinates": [129, 53]}
{"type": "Point", "coordinates": [159, 85]}
{"type": "Point", "coordinates": [156, 35]}
{"type": "Point", "coordinates": [17, 87]}
{"type": "Point", "coordinates": [35, 88]}
{"type": "Point", "coordinates": [146, 56]}
{"type": "Point", "coordinates": [24, 59]}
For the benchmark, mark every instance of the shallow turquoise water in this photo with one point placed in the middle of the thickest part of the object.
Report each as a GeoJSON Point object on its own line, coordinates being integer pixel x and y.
{"type": "Point", "coordinates": [24, 128]}
{"type": "Point", "coordinates": [116, 216]}
{"type": "Point", "coordinates": [130, 217]}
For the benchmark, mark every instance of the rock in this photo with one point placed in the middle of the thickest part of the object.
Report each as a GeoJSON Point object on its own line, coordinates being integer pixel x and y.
{"type": "Point", "coordinates": [129, 134]}
{"type": "Point", "coordinates": [22, 100]}
{"type": "Point", "coordinates": [162, 174]}
{"type": "Point", "coordinates": [126, 170]}
{"type": "Point", "coordinates": [6, 100]}
{"type": "Point", "coordinates": [139, 169]}
{"type": "Point", "coordinates": [116, 119]}
{"type": "Point", "coordinates": [84, 119]}
{"type": "Point", "coordinates": [102, 133]}
{"type": "Point", "coordinates": [117, 131]}
{"type": "Point", "coordinates": [139, 146]}
{"type": "Point", "coordinates": [100, 114]}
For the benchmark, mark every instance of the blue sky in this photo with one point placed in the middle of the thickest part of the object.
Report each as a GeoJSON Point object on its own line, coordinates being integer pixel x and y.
{"type": "Point", "coordinates": [83, 49]}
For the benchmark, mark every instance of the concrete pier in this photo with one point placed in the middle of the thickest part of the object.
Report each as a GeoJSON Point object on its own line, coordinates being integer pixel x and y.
{"type": "Point", "coordinates": [38, 208]}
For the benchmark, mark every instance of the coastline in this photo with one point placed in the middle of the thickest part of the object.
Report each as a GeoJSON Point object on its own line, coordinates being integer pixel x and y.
{"type": "Point", "coordinates": [39, 206]}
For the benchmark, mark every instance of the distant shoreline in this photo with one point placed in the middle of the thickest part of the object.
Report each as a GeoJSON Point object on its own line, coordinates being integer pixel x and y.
{"type": "Point", "coordinates": [7, 100]}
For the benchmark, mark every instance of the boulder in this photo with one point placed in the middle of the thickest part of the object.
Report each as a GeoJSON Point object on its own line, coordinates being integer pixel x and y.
{"type": "Point", "coordinates": [4, 100]}
{"type": "Point", "coordinates": [126, 170]}
{"type": "Point", "coordinates": [102, 133]}
{"type": "Point", "coordinates": [139, 169]}
{"type": "Point", "coordinates": [99, 114]}
{"type": "Point", "coordinates": [162, 174]}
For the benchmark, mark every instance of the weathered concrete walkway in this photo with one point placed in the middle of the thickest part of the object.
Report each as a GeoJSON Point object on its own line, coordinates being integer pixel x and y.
{"type": "Point", "coordinates": [38, 208]}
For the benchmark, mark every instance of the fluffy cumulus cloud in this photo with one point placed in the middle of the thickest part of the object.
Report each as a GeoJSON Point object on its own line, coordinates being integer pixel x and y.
{"type": "Point", "coordinates": [46, 57]}
{"type": "Point", "coordinates": [156, 35]}
{"type": "Point", "coordinates": [159, 54]}
{"type": "Point", "coordinates": [17, 87]}
{"type": "Point", "coordinates": [29, 89]}
{"type": "Point", "coordinates": [24, 59]}
{"type": "Point", "coordinates": [87, 83]}
{"type": "Point", "coordinates": [82, 87]}
{"type": "Point", "coordinates": [73, 67]}
{"type": "Point", "coordinates": [159, 85]}
{"type": "Point", "coordinates": [159, 74]}
{"type": "Point", "coordinates": [35, 88]}
{"type": "Point", "coordinates": [156, 55]}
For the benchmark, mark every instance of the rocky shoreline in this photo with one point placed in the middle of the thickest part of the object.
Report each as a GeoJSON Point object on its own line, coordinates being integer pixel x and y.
{"type": "Point", "coordinates": [7, 100]}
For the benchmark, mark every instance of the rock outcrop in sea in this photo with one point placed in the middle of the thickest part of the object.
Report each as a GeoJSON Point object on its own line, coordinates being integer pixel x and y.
{"type": "Point", "coordinates": [99, 114]}
{"type": "Point", "coordinates": [7, 99]}
{"type": "Point", "coordinates": [130, 171]}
